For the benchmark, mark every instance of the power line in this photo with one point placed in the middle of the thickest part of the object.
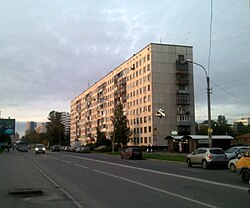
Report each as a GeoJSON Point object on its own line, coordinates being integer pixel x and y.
{"type": "Point", "coordinates": [231, 93]}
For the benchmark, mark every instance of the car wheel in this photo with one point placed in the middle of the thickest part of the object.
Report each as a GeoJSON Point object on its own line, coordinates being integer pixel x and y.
{"type": "Point", "coordinates": [245, 175]}
{"type": "Point", "coordinates": [204, 164]}
{"type": "Point", "coordinates": [232, 167]}
{"type": "Point", "coordinates": [189, 163]}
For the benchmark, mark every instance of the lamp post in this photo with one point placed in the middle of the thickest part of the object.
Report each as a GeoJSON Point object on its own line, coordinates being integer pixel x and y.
{"type": "Point", "coordinates": [209, 130]}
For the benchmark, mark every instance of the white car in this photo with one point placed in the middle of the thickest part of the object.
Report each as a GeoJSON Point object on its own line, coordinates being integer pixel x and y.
{"type": "Point", "coordinates": [232, 164]}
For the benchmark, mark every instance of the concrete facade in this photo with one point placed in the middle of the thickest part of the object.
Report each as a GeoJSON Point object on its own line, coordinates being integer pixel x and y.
{"type": "Point", "coordinates": [157, 77]}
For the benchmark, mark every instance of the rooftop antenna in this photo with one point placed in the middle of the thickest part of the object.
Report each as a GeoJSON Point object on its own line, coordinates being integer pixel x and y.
{"type": "Point", "coordinates": [88, 84]}
{"type": "Point", "coordinates": [160, 37]}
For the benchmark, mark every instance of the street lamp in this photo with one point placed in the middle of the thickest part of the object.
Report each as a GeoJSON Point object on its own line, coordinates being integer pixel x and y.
{"type": "Point", "coordinates": [209, 130]}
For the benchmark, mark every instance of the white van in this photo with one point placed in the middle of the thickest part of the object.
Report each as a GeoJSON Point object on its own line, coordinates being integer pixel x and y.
{"type": "Point", "coordinates": [74, 146]}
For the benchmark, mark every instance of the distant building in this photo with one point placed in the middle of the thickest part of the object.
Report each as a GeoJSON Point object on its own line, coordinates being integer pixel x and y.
{"type": "Point", "coordinates": [30, 127]}
{"type": "Point", "coordinates": [41, 128]}
{"type": "Point", "coordinates": [156, 80]}
{"type": "Point", "coordinates": [244, 121]}
{"type": "Point", "coordinates": [65, 119]}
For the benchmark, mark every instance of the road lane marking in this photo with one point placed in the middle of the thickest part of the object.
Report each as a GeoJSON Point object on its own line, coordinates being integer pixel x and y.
{"type": "Point", "coordinates": [66, 161]}
{"type": "Point", "coordinates": [157, 189]}
{"type": "Point", "coordinates": [82, 166]}
{"type": "Point", "coordinates": [190, 170]}
{"type": "Point", "coordinates": [77, 204]}
{"type": "Point", "coordinates": [164, 173]}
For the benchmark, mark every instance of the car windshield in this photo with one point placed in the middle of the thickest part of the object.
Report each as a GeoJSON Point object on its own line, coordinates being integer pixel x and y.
{"type": "Point", "coordinates": [231, 150]}
{"type": "Point", "coordinates": [39, 145]}
{"type": "Point", "coordinates": [216, 151]}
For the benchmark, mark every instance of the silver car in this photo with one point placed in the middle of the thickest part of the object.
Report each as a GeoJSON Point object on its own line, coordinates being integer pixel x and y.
{"type": "Point", "coordinates": [207, 157]}
{"type": "Point", "coordinates": [233, 152]}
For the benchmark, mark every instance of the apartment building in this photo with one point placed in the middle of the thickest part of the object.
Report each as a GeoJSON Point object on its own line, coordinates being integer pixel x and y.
{"type": "Point", "coordinates": [41, 128]}
{"type": "Point", "coordinates": [65, 119]}
{"type": "Point", "coordinates": [30, 127]}
{"type": "Point", "coordinates": [156, 77]}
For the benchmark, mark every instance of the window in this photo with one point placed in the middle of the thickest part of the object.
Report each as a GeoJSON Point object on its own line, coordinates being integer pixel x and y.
{"type": "Point", "coordinates": [145, 140]}
{"type": "Point", "coordinates": [149, 98]}
{"type": "Point", "coordinates": [149, 108]}
{"type": "Point", "coordinates": [148, 57]}
{"type": "Point", "coordinates": [149, 129]}
{"type": "Point", "coordinates": [145, 129]}
{"type": "Point", "coordinates": [145, 119]}
{"type": "Point", "coordinates": [148, 67]}
{"type": "Point", "coordinates": [148, 87]}
{"type": "Point", "coordinates": [180, 58]}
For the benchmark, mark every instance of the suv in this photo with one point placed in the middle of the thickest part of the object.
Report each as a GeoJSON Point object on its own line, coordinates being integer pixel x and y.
{"type": "Point", "coordinates": [206, 157]}
{"type": "Point", "coordinates": [233, 152]}
{"type": "Point", "coordinates": [243, 166]}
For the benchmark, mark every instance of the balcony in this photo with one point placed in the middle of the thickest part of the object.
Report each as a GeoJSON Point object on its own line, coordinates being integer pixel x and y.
{"type": "Point", "coordinates": [183, 120]}
{"type": "Point", "coordinates": [182, 81]}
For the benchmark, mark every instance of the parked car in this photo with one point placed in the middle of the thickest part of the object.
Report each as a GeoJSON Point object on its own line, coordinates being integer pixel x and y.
{"type": "Point", "coordinates": [85, 149]}
{"type": "Point", "coordinates": [56, 148]}
{"type": "Point", "coordinates": [40, 148]}
{"type": "Point", "coordinates": [232, 152]}
{"type": "Point", "coordinates": [74, 146]}
{"type": "Point", "coordinates": [207, 157]}
{"type": "Point", "coordinates": [132, 153]}
{"type": "Point", "coordinates": [232, 164]}
{"type": "Point", "coordinates": [67, 148]}
{"type": "Point", "coordinates": [243, 166]}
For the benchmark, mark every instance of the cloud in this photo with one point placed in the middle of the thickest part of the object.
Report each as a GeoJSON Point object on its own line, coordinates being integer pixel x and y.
{"type": "Point", "coordinates": [53, 50]}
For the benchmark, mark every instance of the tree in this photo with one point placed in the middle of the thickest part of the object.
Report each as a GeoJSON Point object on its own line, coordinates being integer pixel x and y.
{"type": "Point", "coordinates": [222, 120]}
{"type": "Point", "coordinates": [55, 128]}
{"type": "Point", "coordinates": [120, 122]}
{"type": "Point", "coordinates": [220, 127]}
{"type": "Point", "coordinates": [101, 138]}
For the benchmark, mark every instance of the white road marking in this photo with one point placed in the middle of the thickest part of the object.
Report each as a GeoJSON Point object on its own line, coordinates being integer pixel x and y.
{"type": "Point", "coordinates": [164, 173]}
{"type": "Point", "coordinates": [82, 166]}
{"type": "Point", "coordinates": [159, 190]}
{"type": "Point", "coordinates": [190, 170]}
{"type": "Point", "coordinates": [77, 204]}
{"type": "Point", "coordinates": [66, 161]}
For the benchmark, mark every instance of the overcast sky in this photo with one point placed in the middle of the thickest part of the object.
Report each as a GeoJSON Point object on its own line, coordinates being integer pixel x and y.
{"type": "Point", "coordinates": [51, 50]}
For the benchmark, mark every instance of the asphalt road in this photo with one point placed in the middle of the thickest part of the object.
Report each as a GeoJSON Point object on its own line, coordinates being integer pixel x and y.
{"type": "Point", "coordinates": [100, 180]}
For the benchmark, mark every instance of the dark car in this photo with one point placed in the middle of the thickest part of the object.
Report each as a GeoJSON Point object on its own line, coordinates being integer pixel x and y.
{"type": "Point", "coordinates": [40, 149]}
{"type": "Point", "coordinates": [22, 148]}
{"type": "Point", "coordinates": [131, 153]}
{"type": "Point", "coordinates": [56, 148]}
{"type": "Point", "coordinates": [207, 157]}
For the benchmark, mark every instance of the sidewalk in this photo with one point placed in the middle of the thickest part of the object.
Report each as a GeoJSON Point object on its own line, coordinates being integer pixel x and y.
{"type": "Point", "coordinates": [23, 186]}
